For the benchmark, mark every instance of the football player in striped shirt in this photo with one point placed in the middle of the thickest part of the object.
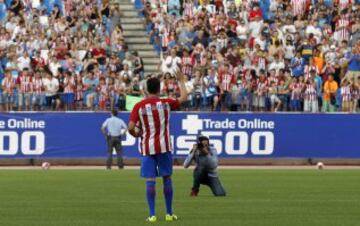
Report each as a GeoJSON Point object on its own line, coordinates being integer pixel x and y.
{"type": "Point", "coordinates": [150, 120]}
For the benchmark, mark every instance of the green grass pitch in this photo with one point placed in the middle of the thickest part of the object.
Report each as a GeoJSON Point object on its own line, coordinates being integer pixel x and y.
{"type": "Point", "coordinates": [255, 197]}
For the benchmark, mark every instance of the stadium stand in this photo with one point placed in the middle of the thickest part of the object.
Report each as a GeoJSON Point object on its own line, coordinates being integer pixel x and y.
{"type": "Point", "coordinates": [270, 55]}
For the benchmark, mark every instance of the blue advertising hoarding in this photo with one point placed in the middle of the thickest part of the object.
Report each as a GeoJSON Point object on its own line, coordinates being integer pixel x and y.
{"type": "Point", "coordinates": [235, 135]}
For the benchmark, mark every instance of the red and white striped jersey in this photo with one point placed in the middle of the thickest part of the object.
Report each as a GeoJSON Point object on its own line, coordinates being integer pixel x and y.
{"type": "Point", "coordinates": [295, 91]}
{"type": "Point", "coordinates": [355, 92]}
{"type": "Point", "coordinates": [307, 70]}
{"type": "Point", "coordinates": [218, 27]}
{"type": "Point", "coordinates": [346, 94]}
{"type": "Point", "coordinates": [298, 7]}
{"type": "Point", "coordinates": [38, 86]}
{"type": "Point", "coordinates": [189, 9]}
{"type": "Point", "coordinates": [273, 79]}
{"type": "Point", "coordinates": [79, 91]}
{"type": "Point", "coordinates": [102, 91]}
{"type": "Point", "coordinates": [153, 115]}
{"type": "Point", "coordinates": [187, 65]}
{"type": "Point", "coordinates": [226, 81]}
{"type": "Point", "coordinates": [111, 91]}
{"type": "Point", "coordinates": [343, 4]}
{"type": "Point", "coordinates": [165, 37]}
{"type": "Point", "coordinates": [8, 85]}
{"type": "Point", "coordinates": [69, 85]}
{"type": "Point", "coordinates": [25, 83]}
{"type": "Point", "coordinates": [310, 93]}
{"type": "Point", "coordinates": [262, 87]}
{"type": "Point", "coordinates": [343, 24]}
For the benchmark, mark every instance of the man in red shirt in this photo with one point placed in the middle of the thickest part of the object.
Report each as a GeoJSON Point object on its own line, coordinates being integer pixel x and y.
{"type": "Point", "coordinates": [150, 120]}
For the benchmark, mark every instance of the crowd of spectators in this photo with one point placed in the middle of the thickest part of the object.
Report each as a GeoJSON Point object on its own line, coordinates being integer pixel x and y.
{"type": "Point", "coordinates": [238, 55]}
{"type": "Point", "coordinates": [251, 55]}
{"type": "Point", "coordinates": [64, 55]}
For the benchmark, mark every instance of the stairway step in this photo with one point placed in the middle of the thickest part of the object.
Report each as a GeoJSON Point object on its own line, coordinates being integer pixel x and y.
{"type": "Point", "coordinates": [151, 68]}
{"type": "Point", "coordinates": [127, 7]}
{"type": "Point", "coordinates": [132, 33]}
{"type": "Point", "coordinates": [130, 14]}
{"type": "Point", "coordinates": [124, 2]}
{"type": "Point", "coordinates": [131, 20]}
{"type": "Point", "coordinates": [147, 54]}
{"type": "Point", "coordinates": [153, 61]}
{"type": "Point", "coordinates": [139, 40]}
{"type": "Point", "coordinates": [141, 47]}
{"type": "Point", "coordinates": [133, 27]}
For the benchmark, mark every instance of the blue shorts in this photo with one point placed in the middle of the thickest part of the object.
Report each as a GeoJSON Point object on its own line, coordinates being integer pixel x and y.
{"type": "Point", "coordinates": [159, 165]}
{"type": "Point", "coordinates": [68, 98]}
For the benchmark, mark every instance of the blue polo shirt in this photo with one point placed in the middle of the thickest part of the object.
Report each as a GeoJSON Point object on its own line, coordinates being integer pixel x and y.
{"type": "Point", "coordinates": [354, 64]}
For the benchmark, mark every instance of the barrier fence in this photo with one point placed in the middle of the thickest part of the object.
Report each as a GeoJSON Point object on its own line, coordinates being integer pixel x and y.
{"type": "Point", "coordinates": [235, 135]}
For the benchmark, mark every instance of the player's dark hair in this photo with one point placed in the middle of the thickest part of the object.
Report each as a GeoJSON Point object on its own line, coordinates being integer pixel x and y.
{"type": "Point", "coordinates": [153, 85]}
{"type": "Point", "coordinates": [114, 112]}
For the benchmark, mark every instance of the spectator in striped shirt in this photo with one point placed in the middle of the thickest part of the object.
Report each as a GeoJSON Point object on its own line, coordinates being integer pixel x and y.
{"type": "Point", "coordinates": [226, 81]}
{"type": "Point", "coordinates": [346, 93]}
{"type": "Point", "coordinates": [24, 83]}
{"type": "Point", "coordinates": [8, 86]}
{"type": "Point", "coordinates": [310, 97]}
{"type": "Point", "coordinates": [150, 120]}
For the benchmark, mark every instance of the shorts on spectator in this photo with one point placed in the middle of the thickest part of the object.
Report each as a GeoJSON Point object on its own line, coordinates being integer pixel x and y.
{"type": "Point", "coordinates": [8, 98]}
{"type": "Point", "coordinates": [38, 99]}
{"type": "Point", "coordinates": [67, 98]}
{"type": "Point", "coordinates": [295, 105]}
{"type": "Point", "coordinates": [352, 76]}
{"type": "Point", "coordinates": [274, 99]}
{"type": "Point", "coordinates": [88, 97]}
{"type": "Point", "coordinates": [311, 106]}
{"type": "Point", "coordinates": [25, 99]}
{"type": "Point", "coordinates": [259, 101]}
{"type": "Point", "coordinates": [226, 99]}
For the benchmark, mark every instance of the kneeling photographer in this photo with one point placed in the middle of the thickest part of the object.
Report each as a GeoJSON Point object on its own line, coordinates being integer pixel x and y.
{"type": "Point", "coordinates": [205, 158]}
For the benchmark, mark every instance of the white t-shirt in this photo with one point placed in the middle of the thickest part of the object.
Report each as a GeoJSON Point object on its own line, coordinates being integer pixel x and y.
{"type": "Point", "coordinates": [170, 64]}
{"type": "Point", "coordinates": [23, 62]}
{"type": "Point", "coordinates": [54, 66]}
{"type": "Point", "coordinates": [241, 31]}
{"type": "Point", "coordinates": [52, 86]}
{"type": "Point", "coordinates": [255, 28]}
{"type": "Point", "coordinates": [262, 43]}
{"type": "Point", "coordinates": [277, 66]}
{"type": "Point", "coordinates": [189, 88]}
{"type": "Point", "coordinates": [289, 51]}
{"type": "Point", "coordinates": [126, 73]}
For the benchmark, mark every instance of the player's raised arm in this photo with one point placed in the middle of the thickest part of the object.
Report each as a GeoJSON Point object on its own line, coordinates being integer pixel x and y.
{"type": "Point", "coordinates": [183, 92]}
